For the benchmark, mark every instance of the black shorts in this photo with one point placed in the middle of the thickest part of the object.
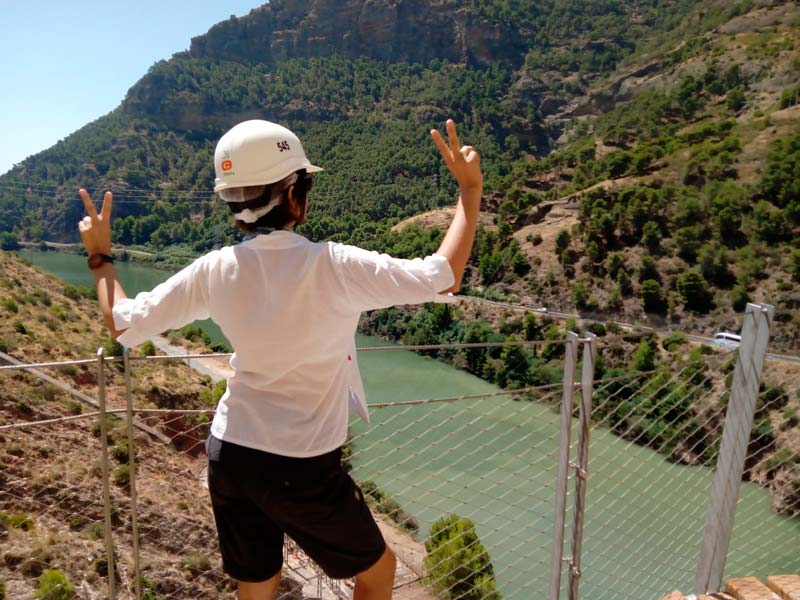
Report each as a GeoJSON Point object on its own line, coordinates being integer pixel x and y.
{"type": "Point", "coordinates": [258, 496]}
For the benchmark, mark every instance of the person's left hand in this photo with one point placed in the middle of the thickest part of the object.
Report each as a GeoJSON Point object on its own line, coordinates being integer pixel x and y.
{"type": "Point", "coordinates": [96, 229]}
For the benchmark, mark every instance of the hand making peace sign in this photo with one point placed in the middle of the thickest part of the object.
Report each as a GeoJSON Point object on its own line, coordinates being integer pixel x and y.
{"type": "Point", "coordinates": [96, 229]}
{"type": "Point", "coordinates": [464, 162]}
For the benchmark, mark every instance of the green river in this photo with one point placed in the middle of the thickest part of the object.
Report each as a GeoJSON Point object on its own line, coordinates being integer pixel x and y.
{"type": "Point", "coordinates": [494, 460]}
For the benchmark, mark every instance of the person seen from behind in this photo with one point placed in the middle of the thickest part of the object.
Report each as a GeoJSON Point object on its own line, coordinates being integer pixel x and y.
{"type": "Point", "coordinates": [289, 308]}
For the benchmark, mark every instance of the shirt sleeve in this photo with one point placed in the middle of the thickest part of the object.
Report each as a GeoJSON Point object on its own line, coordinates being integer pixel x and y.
{"type": "Point", "coordinates": [179, 300]}
{"type": "Point", "coordinates": [374, 280]}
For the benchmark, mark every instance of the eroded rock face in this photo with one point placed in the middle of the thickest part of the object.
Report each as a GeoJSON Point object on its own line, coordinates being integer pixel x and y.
{"type": "Point", "coordinates": [396, 30]}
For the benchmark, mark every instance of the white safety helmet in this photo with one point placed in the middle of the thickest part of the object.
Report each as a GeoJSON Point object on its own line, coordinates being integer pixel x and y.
{"type": "Point", "coordinates": [254, 154]}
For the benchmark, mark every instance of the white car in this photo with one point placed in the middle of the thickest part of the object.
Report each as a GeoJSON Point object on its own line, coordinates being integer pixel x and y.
{"type": "Point", "coordinates": [727, 339]}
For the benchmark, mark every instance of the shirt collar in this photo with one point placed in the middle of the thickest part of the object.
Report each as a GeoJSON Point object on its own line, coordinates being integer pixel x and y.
{"type": "Point", "coordinates": [279, 238]}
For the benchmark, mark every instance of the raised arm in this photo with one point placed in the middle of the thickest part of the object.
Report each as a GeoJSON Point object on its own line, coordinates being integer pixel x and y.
{"type": "Point", "coordinates": [95, 232]}
{"type": "Point", "coordinates": [464, 164]}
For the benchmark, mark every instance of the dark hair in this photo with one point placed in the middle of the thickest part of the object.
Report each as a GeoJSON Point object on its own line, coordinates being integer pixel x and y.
{"type": "Point", "coordinates": [280, 216]}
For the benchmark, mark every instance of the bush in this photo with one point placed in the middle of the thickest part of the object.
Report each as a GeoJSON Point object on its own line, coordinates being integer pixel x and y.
{"type": "Point", "coordinates": [389, 506]}
{"type": "Point", "coordinates": [122, 475]}
{"type": "Point", "coordinates": [120, 451]}
{"type": "Point", "coordinates": [739, 298]}
{"type": "Point", "coordinates": [736, 100]}
{"type": "Point", "coordinates": [210, 397]}
{"type": "Point", "coordinates": [457, 563]}
{"type": "Point", "coordinates": [582, 297]}
{"type": "Point", "coordinates": [60, 313]}
{"type": "Point", "coordinates": [8, 241]}
{"type": "Point", "coordinates": [196, 564]}
{"type": "Point", "coordinates": [112, 347]}
{"type": "Point", "coordinates": [10, 305]}
{"type": "Point", "coordinates": [694, 291]}
{"type": "Point", "coordinates": [644, 357]}
{"type": "Point", "coordinates": [71, 292]}
{"type": "Point", "coordinates": [54, 585]}
{"type": "Point", "coordinates": [21, 521]}
{"type": "Point", "coordinates": [652, 296]}
{"type": "Point", "coordinates": [20, 328]}
{"type": "Point", "coordinates": [195, 334]}
{"type": "Point", "coordinates": [111, 423]}
{"type": "Point", "coordinates": [148, 349]}
{"type": "Point", "coordinates": [149, 590]}
{"type": "Point", "coordinates": [673, 341]}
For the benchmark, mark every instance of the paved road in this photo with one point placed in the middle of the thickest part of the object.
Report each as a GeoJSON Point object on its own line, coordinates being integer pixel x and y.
{"type": "Point", "coordinates": [638, 326]}
{"type": "Point", "coordinates": [215, 367]}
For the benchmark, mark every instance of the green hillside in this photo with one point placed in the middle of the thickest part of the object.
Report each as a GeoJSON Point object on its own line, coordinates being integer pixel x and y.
{"type": "Point", "coordinates": [641, 157]}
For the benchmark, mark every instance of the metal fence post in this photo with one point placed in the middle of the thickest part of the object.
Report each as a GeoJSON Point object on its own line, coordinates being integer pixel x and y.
{"type": "Point", "coordinates": [582, 466]}
{"type": "Point", "coordinates": [568, 391]}
{"type": "Point", "coordinates": [733, 448]}
{"type": "Point", "coordinates": [137, 581]}
{"type": "Point", "coordinates": [101, 393]}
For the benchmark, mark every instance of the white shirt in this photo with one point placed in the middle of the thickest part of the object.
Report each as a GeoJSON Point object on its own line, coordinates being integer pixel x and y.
{"type": "Point", "coordinates": [290, 309]}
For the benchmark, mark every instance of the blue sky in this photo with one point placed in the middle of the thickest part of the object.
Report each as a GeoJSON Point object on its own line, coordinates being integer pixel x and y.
{"type": "Point", "coordinates": [67, 62]}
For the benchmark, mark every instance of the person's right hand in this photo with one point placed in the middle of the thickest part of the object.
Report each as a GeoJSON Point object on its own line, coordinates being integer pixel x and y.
{"type": "Point", "coordinates": [464, 162]}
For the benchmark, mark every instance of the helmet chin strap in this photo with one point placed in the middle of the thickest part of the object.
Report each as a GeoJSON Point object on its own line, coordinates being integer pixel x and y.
{"type": "Point", "coordinates": [251, 215]}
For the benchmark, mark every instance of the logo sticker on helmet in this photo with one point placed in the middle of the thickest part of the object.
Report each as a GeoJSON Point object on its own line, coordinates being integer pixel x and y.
{"type": "Point", "coordinates": [283, 146]}
{"type": "Point", "coordinates": [226, 165]}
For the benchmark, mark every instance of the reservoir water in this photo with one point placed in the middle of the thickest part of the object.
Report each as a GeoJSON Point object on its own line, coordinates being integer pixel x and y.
{"type": "Point", "coordinates": [494, 460]}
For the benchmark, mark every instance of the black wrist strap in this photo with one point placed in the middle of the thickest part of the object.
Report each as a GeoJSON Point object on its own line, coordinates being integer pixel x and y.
{"type": "Point", "coordinates": [97, 260]}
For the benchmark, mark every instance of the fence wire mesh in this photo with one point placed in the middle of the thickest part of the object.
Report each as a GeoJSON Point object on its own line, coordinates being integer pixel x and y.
{"type": "Point", "coordinates": [473, 469]}
{"type": "Point", "coordinates": [51, 505]}
{"type": "Point", "coordinates": [654, 448]}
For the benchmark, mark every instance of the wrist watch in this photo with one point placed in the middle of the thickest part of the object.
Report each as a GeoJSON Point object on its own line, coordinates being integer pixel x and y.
{"type": "Point", "coordinates": [98, 260]}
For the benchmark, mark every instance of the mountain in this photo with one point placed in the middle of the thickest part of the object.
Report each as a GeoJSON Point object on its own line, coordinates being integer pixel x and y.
{"type": "Point", "coordinates": [641, 157]}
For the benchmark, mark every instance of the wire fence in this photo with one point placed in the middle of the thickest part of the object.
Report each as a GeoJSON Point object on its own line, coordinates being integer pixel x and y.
{"type": "Point", "coordinates": [475, 491]}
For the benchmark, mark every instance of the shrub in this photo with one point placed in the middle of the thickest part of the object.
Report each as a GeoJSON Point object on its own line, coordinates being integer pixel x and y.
{"type": "Point", "coordinates": [195, 334]}
{"type": "Point", "coordinates": [597, 328]}
{"type": "Point", "coordinates": [20, 328]}
{"type": "Point", "coordinates": [196, 564]}
{"type": "Point", "coordinates": [149, 590]}
{"type": "Point", "coordinates": [148, 349]}
{"type": "Point", "coordinates": [562, 242]}
{"type": "Point", "coordinates": [736, 100]}
{"type": "Point", "coordinates": [652, 296]}
{"type": "Point", "coordinates": [122, 475]}
{"type": "Point", "coordinates": [644, 357]}
{"type": "Point", "coordinates": [71, 292]}
{"type": "Point", "coordinates": [120, 451]}
{"type": "Point", "coordinates": [111, 423]}
{"type": "Point", "coordinates": [210, 397]}
{"type": "Point", "coordinates": [739, 298]}
{"type": "Point", "coordinates": [95, 531]}
{"type": "Point", "coordinates": [10, 305]}
{"type": "Point", "coordinates": [21, 521]}
{"type": "Point", "coordinates": [112, 347]}
{"type": "Point", "coordinates": [60, 313]}
{"type": "Point", "coordinates": [42, 296]}
{"type": "Point", "coordinates": [694, 291]}
{"type": "Point", "coordinates": [673, 341]}
{"type": "Point", "coordinates": [54, 585]}
{"type": "Point", "coordinates": [389, 506]}
{"type": "Point", "coordinates": [458, 565]}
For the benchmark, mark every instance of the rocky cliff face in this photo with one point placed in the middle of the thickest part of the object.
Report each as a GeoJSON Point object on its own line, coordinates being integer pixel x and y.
{"type": "Point", "coordinates": [390, 30]}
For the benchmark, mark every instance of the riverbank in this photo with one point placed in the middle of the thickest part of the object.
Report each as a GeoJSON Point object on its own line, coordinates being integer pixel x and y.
{"type": "Point", "coordinates": [176, 258]}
